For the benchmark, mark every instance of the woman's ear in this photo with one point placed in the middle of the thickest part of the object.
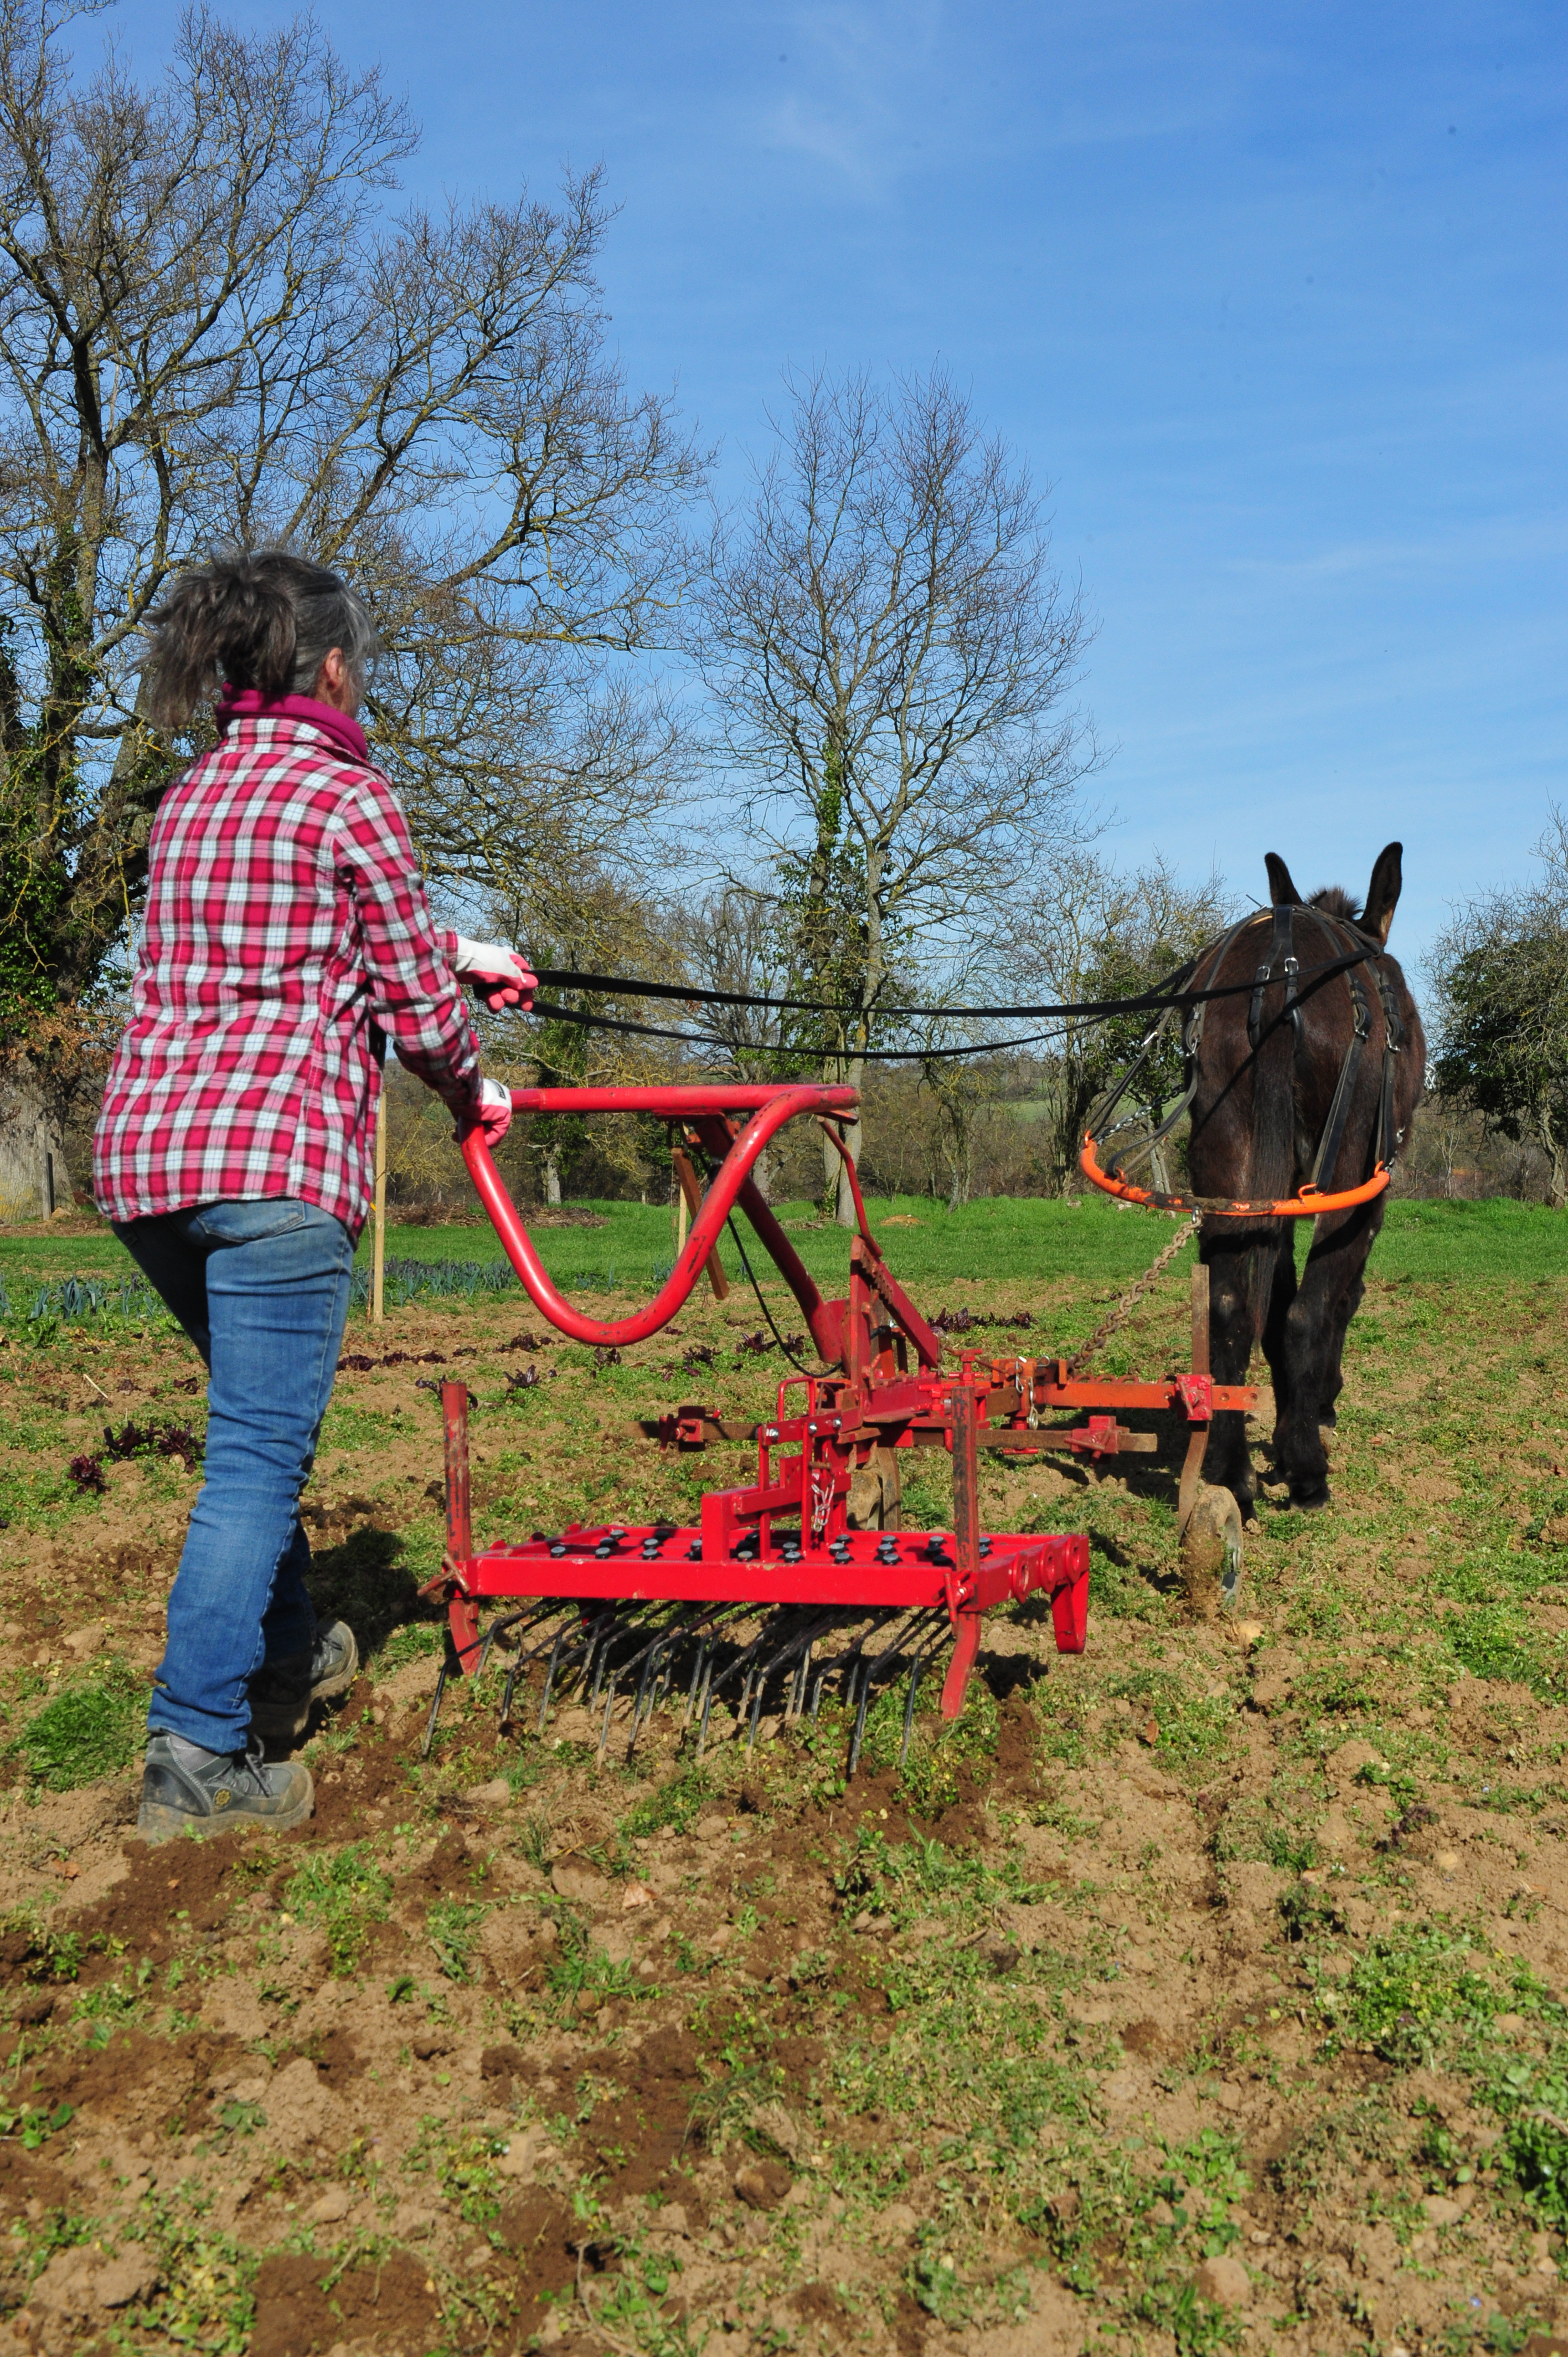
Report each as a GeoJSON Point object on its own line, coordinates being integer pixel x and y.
{"type": "Point", "coordinates": [335, 682]}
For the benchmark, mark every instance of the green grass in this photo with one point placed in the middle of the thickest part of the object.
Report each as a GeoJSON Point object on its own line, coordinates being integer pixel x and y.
{"type": "Point", "coordinates": [90, 1730]}
{"type": "Point", "coordinates": [344, 1895]}
{"type": "Point", "coordinates": [1000, 1238]}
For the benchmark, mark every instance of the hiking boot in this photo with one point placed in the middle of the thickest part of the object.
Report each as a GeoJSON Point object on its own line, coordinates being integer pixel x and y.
{"type": "Point", "coordinates": [187, 1790]}
{"type": "Point", "coordinates": [283, 1695]}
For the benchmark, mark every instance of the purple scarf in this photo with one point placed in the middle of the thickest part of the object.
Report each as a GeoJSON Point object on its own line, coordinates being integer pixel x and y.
{"type": "Point", "coordinates": [249, 704]}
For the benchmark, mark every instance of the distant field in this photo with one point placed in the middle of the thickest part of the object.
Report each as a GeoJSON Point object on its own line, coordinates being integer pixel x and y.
{"type": "Point", "coordinates": [992, 1241]}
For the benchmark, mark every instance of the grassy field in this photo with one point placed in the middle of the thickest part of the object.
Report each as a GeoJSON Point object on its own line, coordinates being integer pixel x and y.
{"type": "Point", "coordinates": [1206, 1991]}
{"type": "Point", "coordinates": [1091, 1240]}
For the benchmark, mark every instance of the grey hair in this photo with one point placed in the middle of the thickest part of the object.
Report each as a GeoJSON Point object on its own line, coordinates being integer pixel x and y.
{"type": "Point", "coordinates": [263, 618]}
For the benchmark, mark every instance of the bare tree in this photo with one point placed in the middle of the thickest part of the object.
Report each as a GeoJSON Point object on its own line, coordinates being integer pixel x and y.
{"type": "Point", "coordinates": [211, 330]}
{"type": "Point", "coordinates": [891, 654]}
{"type": "Point", "coordinates": [1501, 975]}
{"type": "Point", "coordinates": [1090, 930]}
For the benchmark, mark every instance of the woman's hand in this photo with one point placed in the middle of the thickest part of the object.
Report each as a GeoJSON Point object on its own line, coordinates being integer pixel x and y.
{"type": "Point", "coordinates": [498, 976]}
{"type": "Point", "coordinates": [492, 1114]}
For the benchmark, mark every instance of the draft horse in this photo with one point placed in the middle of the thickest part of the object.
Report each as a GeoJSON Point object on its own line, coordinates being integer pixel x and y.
{"type": "Point", "coordinates": [1302, 1079]}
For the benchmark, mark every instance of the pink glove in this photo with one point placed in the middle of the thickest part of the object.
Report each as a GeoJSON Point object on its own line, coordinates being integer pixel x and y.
{"type": "Point", "coordinates": [498, 976]}
{"type": "Point", "coordinates": [492, 1114]}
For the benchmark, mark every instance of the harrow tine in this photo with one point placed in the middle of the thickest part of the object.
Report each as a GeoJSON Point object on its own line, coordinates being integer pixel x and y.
{"type": "Point", "coordinates": [916, 1666]}
{"type": "Point", "coordinates": [434, 1713]}
{"type": "Point", "coordinates": [653, 1658]}
{"type": "Point", "coordinates": [523, 1621]}
{"type": "Point", "coordinates": [859, 1735]}
{"type": "Point", "coordinates": [914, 1629]}
{"type": "Point", "coordinates": [549, 1673]}
{"type": "Point", "coordinates": [587, 1630]}
{"type": "Point", "coordinates": [699, 1662]}
{"type": "Point", "coordinates": [802, 1644]}
{"type": "Point", "coordinates": [649, 1667]}
{"type": "Point", "coordinates": [458, 1654]}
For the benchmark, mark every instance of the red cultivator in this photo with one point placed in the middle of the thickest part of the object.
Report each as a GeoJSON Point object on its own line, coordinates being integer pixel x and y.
{"type": "Point", "coordinates": [803, 1581]}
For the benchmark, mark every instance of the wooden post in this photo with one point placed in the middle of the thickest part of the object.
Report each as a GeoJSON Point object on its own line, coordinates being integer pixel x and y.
{"type": "Point", "coordinates": [379, 1213]}
{"type": "Point", "coordinates": [691, 1200]}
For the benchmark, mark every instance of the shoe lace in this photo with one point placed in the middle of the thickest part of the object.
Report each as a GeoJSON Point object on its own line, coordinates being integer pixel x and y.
{"type": "Point", "coordinates": [249, 1770]}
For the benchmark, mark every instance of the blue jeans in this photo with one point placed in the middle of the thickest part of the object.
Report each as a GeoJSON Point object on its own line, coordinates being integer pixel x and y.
{"type": "Point", "coordinates": [261, 1288]}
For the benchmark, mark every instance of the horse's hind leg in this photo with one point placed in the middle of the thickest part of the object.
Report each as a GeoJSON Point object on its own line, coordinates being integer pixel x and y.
{"type": "Point", "coordinates": [1233, 1272]}
{"type": "Point", "coordinates": [1307, 1358]}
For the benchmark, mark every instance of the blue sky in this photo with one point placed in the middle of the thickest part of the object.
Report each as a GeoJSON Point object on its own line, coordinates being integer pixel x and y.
{"type": "Point", "coordinates": [1272, 295]}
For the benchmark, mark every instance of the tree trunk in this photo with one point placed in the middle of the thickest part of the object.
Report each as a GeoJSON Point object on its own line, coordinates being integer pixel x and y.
{"type": "Point", "coordinates": [837, 1176]}
{"type": "Point", "coordinates": [1557, 1150]}
{"type": "Point", "coordinates": [34, 1182]}
{"type": "Point", "coordinates": [552, 1177]}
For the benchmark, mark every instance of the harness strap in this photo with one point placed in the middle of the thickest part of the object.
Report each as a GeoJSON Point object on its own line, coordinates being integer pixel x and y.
{"type": "Point", "coordinates": [1345, 1087]}
{"type": "Point", "coordinates": [1280, 954]}
{"type": "Point", "coordinates": [1388, 1139]}
{"type": "Point", "coordinates": [1192, 1037]}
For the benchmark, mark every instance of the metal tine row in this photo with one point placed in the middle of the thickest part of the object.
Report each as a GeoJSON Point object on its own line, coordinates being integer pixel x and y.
{"type": "Point", "coordinates": [549, 1610]}
{"type": "Point", "coordinates": [797, 1653]}
{"type": "Point", "coordinates": [914, 1643]}
{"type": "Point", "coordinates": [583, 1645]}
{"type": "Point", "coordinates": [651, 1659]}
{"type": "Point", "coordinates": [748, 1664]}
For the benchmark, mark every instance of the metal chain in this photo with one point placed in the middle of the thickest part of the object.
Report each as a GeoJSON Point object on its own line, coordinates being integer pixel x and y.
{"type": "Point", "coordinates": [1130, 1301]}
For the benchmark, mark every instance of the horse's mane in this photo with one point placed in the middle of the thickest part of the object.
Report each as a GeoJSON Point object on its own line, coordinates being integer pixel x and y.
{"type": "Point", "coordinates": [1335, 901]}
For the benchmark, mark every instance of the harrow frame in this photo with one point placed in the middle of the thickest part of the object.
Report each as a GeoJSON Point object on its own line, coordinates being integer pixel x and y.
{"type": "Point", "coordinates": [749, 1595]}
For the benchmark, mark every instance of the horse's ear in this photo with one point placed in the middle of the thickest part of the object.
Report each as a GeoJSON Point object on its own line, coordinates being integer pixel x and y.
{"type": "Point", "coordinates": [1383, 892]}
{"type": "Point", "coordinates": [1281, 888]}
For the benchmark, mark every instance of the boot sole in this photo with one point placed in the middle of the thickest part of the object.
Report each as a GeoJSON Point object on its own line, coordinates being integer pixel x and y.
{"type": "Point", "coordinates": [157, 1822]}
{"type": "Point", "coordinates": [275, 1724]}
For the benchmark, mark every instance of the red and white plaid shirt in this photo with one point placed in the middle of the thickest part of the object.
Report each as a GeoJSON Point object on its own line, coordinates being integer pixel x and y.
{"type": "Point", "coordinates": [286, 930]}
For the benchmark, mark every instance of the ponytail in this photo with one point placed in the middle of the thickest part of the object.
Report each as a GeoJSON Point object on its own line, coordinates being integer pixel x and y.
{"type": "Point", "coordinates": [264, 620]}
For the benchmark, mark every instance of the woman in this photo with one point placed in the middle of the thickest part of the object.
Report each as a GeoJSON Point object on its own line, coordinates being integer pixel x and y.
{"type": "Point", "coordinates": [287, 937]}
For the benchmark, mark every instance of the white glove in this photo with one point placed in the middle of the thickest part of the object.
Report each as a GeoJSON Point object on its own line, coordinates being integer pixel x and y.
{"type": "Point", "coordinates": [494, 1111]}
{"type": "Point", "coordinates": [500, 976]}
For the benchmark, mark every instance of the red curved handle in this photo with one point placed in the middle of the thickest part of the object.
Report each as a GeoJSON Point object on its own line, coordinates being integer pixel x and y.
{"type": "Point", "coordinates": [774, 1107]}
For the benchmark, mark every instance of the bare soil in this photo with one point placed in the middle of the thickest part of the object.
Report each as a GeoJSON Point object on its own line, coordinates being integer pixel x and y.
{"type": "Point", "coordinates": [1210, 1990]}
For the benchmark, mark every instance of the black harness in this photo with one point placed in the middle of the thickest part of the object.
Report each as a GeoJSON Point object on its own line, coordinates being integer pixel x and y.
{"type": "Point", "coordinates": [1281, 964]}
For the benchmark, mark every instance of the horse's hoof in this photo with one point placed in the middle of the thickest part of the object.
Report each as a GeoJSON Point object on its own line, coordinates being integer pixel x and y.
{"type": "Point", "coordinates": [1211, 1553]}
{"type": "Point", "coordinates": [1329, 1418]}
{"type": "Point", "coordinates": [1311, 1501]}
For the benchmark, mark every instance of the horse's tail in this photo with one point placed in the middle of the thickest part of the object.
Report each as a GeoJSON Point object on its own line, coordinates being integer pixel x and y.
{"type": "Point", "coordinates": [1271, 1159]}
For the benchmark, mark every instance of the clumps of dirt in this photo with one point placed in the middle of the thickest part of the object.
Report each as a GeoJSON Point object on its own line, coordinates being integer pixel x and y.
{"type": "Point", "coordinates": [1153, 2042]}
{"type": "Point", "coordinates": [449, 1871]}
{"type": "Point", "coordinates": [304, 2308]}
{"type": "Point", "coordinates": [373, 1774]}
{"type": "Point", "coordinates": [337, 2058]}
{"type": "Point", "coordinates": [544, 2235]}
{"type": "Point", "coordinates": [1017, 1775]}
{"type": "Point", "coordinates": [164, 1894]}
{"type": "Point", "coordinates": [503, 2064]}
{"type": "Point", "coordinates": [136, 2082]}
{"type": "Point", "coordinates": [647, 2137]}
{"type": "Point", "coordinates": [30, 2185]}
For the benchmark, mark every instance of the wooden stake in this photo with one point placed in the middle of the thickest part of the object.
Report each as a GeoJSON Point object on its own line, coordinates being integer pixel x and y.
{"type": "Point", "coordinates": [691, 1200]}
{"type": "Point", "coordinates": [379, 1213]}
